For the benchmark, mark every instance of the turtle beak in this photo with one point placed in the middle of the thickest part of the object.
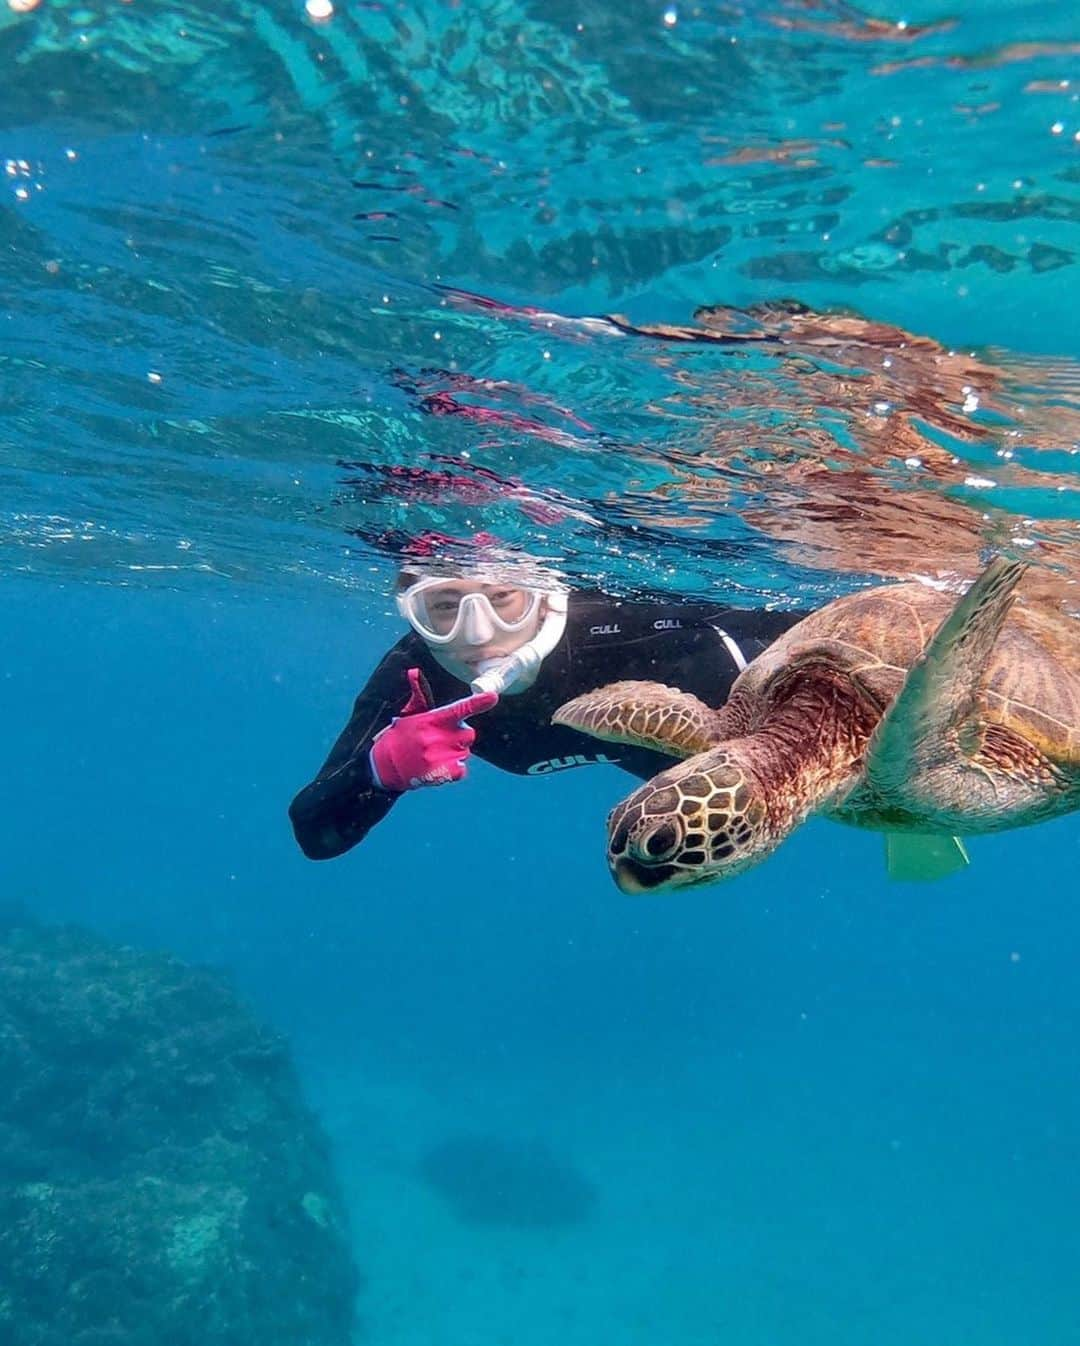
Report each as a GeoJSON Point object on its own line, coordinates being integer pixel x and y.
{"type": "Point", "coordinates": [632, 878]}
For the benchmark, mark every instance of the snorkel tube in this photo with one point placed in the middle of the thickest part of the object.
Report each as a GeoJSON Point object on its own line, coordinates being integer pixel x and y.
{"type": "Point", "coordinates": [499, 675]}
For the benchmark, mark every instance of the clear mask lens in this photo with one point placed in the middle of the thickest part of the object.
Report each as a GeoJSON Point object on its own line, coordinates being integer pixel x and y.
{"type": "Point", "coordinates": [441, 611]}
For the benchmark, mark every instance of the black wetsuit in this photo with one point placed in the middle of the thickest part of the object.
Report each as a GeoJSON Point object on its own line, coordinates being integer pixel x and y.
{"type": "Point", "coordinates": [697, 648]}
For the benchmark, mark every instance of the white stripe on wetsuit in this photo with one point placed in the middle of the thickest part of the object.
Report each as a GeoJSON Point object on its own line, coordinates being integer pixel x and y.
{"type": "Point", "coordinates": [732, 648]}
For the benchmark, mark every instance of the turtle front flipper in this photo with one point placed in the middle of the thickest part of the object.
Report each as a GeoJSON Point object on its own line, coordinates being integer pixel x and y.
{"type": "Point", "coordinates": [921, 728]}
{"type": "Point", "coordinates": [646, 714]}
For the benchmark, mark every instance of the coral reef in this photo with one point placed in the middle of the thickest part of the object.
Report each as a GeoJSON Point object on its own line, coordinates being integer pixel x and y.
{"type": "Point", "coordinates": [161, 1181]}
{"type": "Point", "coordinates": [499, 1180]}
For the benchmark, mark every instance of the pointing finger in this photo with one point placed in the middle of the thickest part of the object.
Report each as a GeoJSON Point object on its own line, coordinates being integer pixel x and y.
{"type": "Point", "coordinates": [468, 705]}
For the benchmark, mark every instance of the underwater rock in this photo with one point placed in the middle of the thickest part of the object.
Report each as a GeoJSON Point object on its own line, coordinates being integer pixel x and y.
{"type": "Point", "coordinates": [487, 1179]}
{"type": "Point", "coordinates": [161, 1181]}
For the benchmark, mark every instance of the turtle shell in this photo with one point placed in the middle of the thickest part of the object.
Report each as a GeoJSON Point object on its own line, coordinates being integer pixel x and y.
{"type": "Point", "coordinates": [1032, 685]}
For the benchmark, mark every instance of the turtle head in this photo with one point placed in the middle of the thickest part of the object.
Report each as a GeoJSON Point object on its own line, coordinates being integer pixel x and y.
{"type": "Point", "coordinates": [704, 819]}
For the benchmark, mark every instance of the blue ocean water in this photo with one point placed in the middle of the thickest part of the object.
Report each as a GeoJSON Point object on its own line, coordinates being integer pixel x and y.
{"type": "Point", "coordinates": [282, 295]}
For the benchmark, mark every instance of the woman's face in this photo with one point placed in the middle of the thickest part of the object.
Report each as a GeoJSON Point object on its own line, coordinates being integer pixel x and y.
{"type": "Point", "coordinates": [478, 638]}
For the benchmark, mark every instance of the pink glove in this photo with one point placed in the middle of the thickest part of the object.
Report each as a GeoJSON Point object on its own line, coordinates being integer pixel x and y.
{"type": "Point", "coordinates": [426, 745]}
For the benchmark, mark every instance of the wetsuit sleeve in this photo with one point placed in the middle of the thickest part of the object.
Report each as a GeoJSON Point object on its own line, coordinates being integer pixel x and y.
{"type": "Point", "coordinates": [745, 632]}
{"type": "Point", "coordinates": [700, 648]}
{"type": "Point", "coordinates": [342, 804]}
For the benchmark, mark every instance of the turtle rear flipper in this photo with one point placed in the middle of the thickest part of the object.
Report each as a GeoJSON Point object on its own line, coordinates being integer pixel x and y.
{"type": "Point", "coordinates": [646, 714]}
{"type": "Point", "coordinates": [940, 693]}
{"type": "Point", "coordinates": [918, 857]}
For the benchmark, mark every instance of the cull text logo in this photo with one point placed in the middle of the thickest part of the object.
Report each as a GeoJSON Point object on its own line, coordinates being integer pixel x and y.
{"type": "Point", "coordinates": [562, 763]}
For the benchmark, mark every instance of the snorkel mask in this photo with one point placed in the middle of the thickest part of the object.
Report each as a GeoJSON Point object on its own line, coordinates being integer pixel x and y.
{"type": "Point", "coordinates": [442, 616]}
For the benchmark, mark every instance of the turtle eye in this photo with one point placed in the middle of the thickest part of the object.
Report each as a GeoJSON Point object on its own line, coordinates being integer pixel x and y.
{"type": "Point", "coordinates": [662, 842]}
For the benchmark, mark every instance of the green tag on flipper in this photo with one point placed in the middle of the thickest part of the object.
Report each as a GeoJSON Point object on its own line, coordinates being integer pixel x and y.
{"type": "Point", "coordinates": [918, 857]}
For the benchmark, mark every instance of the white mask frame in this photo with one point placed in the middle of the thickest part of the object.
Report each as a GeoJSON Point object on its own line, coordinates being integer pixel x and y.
{"type": "Point", "coordinates": [475, 611]}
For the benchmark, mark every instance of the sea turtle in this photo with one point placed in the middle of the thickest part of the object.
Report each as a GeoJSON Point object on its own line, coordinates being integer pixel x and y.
{"type": "Point", "coordinates": [900, 708]}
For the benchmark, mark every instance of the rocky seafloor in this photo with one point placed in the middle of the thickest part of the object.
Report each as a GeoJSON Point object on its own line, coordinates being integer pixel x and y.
{"type": "Point", "coordinates": [162, 1182]}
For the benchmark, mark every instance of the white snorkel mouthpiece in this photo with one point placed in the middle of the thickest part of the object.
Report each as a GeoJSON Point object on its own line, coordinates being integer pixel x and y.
{"type": "Point", "coordinates": [499, 675]}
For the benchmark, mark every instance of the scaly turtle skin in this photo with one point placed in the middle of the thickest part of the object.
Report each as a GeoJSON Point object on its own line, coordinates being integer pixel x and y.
{"type": "Point", "coordinates": [899, 708]}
